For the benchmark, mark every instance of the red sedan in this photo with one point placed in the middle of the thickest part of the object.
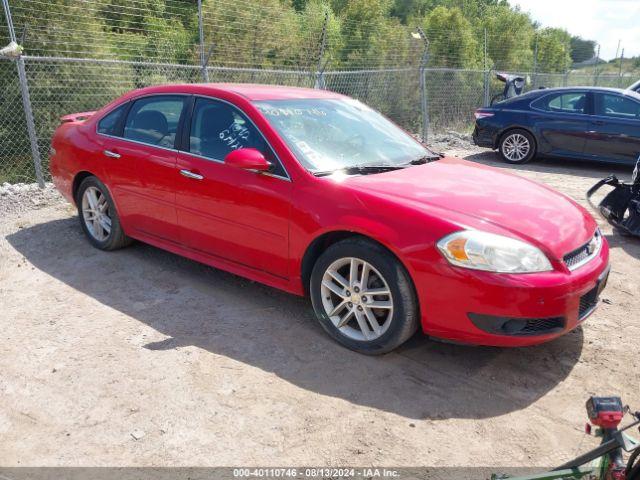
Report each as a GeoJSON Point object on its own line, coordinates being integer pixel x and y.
{"type": "Point", "coordinates": [317, 194]}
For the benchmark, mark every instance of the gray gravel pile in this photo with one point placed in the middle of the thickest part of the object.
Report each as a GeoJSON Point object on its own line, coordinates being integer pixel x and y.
{"type": "Point", "coordinates": [19, 197]}
{"type": "Point", "coordinates": [451, 139]}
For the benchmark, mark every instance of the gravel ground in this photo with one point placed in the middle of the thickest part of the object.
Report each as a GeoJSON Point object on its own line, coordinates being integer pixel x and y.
{"type": "Point", "coordinates": [22, 197]}
{"type": "Point", "coordinates": [140, 358]}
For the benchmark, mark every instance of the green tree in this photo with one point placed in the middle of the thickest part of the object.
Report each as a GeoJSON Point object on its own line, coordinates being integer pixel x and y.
{"type": "Point", "coordinates": [264, 34]}
{"type": "Point", "coordinates": [554, 50]}
{"type": "Point", "coordinates": [509, 36]}
{"type": "Point", "coordinates": [582, 49]}
{"type": "Point", "coordinates": [363, 26]}
{"type": "Point", "coordinates": [452, 39]}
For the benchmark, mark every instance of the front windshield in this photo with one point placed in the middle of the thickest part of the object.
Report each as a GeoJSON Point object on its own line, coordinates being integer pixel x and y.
{"type": "Point", "coordinates": [332, 134]}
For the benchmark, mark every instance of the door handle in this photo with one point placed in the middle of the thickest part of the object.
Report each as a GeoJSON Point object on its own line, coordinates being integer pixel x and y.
{"type": "Point", "coordinates": [598, 122]}
{"type": "Point", "coordinates": [110, 154]}
{"type": "Point", "coordinates": [190, 174]}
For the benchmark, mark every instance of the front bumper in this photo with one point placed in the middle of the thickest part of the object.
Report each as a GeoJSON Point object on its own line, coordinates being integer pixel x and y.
{"type": "Point", "coordinates": [452, 299]}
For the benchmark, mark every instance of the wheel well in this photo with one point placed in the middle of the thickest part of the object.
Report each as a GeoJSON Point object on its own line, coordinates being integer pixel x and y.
{"type": "Point", "coordinates": [320, 244]}
{"type": "Point", "coordinates": [80, 176]}
{"type": "Point", "coordinates": [511, 129]}
{"type": "Point", "coordinates": [316, 248]}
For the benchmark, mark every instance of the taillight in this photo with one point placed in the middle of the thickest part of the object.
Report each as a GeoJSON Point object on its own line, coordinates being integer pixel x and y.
{"type": "Point", "coordinates": [480, 114]}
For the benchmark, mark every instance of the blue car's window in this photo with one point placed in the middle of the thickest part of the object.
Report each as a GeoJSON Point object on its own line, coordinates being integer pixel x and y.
{"type": "Point", "coordinates": [330, 134]}
{"type": "Point", "coordinates": [570, 102]}
{"type": "Point", "coordinates": [616, 106]}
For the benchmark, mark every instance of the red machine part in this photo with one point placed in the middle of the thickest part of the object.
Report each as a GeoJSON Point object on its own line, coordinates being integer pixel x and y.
{"type": "Point", "coordinates": [605, 412]}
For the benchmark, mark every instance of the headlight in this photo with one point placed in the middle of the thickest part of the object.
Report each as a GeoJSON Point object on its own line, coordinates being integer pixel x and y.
{"type": "Point", "coordinates": [494, 253]}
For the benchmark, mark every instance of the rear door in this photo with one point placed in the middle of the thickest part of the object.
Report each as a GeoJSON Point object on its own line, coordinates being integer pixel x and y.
{"type": "Point", "coordinates": [562, 122]}
{"type": "Point", "coordinates": [614, 132]}
{"type": "Point", "coordinates": [234, 214]}
{"type": "Point", "coordinates": [141, 155]}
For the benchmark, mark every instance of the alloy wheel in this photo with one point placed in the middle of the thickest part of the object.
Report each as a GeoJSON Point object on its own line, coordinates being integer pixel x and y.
{"type": "Point", "coordinates": [516, 147]}
{"type": "Point", "coordinates": [95, 212]}
{"type": "Point", "coordinates": [357, 299]}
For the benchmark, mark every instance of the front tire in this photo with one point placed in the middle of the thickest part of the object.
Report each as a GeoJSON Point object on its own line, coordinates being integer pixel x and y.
{"type": "Point", "coordinates": [517, 146]}
{"type": "Point", "coordinates": [363, 297]}
{"type": "Point", "coordinates": [98, 216]}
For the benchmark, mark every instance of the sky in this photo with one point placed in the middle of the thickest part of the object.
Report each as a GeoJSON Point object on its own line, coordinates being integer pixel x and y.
{"type": "Point", "coordinates": [605, 21]}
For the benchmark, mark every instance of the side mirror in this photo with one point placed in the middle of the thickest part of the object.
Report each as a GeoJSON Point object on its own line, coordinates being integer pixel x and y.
{"type": "Point", "coordinates": [248, 159]}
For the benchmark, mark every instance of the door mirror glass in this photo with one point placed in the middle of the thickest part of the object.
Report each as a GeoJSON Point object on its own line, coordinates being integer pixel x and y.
{"type": "Point", "coordinates": [248, 159]}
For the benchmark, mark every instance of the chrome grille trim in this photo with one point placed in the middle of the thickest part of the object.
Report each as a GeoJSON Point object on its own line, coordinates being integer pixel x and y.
{"type": "Point", "coordinates": [583, 254]}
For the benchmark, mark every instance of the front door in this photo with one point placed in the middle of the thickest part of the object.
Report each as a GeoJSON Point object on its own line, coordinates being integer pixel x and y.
{"type": "Point", "coordinates": [614, 134]}
{"type": "Point", "coordinates": [224, 211]}
{"type": "Point", "coordinates": [142, 166]}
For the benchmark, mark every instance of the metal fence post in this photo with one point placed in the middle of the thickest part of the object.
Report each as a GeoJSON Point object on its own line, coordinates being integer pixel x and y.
{"type": "Point", "coordinates": [422, 70]}
{"type": "Point", "coordinates": [203, 57]}
{"type": "Point", "coordinates": [535, 63]}
{"type": "Point", "coordinates": [319, 84]}
{"type": "Point", "coordinates": [26, 101]}
{"type": "Point", "coordinates": [487, 74]}
{"type": "Point", "coordinates": [620, 70]}
{"type": "Point", "coordinates": [595, 68]}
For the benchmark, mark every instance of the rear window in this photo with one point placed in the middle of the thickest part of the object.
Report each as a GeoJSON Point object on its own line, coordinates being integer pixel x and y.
{"type": "Point", "coordinates": [110, 122]}
{"type": "Point", "coordinates": [154, 120]}
{"type": "Point", "coordinates": [569, 102]}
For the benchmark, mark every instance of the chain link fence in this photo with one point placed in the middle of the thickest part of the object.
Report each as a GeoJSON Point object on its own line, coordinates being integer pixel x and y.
{"type": "Point", "coordinates": [16, 164]}
{"type": "Point", "coordinates": [444, 101]}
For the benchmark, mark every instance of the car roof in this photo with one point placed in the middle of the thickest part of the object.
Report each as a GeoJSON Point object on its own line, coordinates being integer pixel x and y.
{"type": "Point", "coordinates": [635, 86]}
{"type": "Point", "coordinates": [584, 89]}
{"type": "Point", "coordinates": [246, 90]}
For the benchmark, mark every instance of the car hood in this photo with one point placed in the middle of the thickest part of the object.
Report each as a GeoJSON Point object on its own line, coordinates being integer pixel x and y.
{"type": "Point", "coordinates": [486, 198]}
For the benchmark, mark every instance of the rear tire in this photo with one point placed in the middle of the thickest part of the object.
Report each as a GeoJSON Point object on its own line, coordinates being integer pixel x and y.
{"type": "Point", "coordinates": [363, 297]}
{"type": "Point", "coordinates": [98, 216]}
{"type": "Point", "coordinates": [517, 146]}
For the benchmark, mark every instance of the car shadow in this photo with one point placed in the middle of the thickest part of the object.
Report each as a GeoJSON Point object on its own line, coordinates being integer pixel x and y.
{"type": "Point", "coordinates": [588, 169]}
{"type": "Point", "coordinates": [195, 305]}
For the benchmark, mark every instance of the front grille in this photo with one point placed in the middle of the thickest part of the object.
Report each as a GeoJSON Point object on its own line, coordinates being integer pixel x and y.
{"type": "Point", "coordinates": [577, 256]}
{"type": "Point", "coordinates": [588, 302]}
{"type": "Point", "coordinates": [517, 326]}
{"type": "Point", "coordinates": [542, 325]}
{"type": "Point", "coordinates": [584, 253]}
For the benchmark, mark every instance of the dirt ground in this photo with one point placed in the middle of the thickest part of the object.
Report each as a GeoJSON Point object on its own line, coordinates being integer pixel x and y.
{"type": "Point", "coordinates": [142, 358]}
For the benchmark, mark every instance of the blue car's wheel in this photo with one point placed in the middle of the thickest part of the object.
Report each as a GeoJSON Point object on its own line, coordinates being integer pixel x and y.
{"type": "Point", "coordinates": [517, 146]}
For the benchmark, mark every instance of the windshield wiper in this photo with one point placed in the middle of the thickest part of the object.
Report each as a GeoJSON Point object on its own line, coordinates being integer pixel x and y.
{"type": "Point", "coordinates": [425, 159]}
{"type": "Point", "coordinates": [361, 169]}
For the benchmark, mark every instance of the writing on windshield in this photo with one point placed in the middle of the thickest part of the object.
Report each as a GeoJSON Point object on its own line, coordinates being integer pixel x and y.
{"type": "Point", "coordinates": [329, 134]}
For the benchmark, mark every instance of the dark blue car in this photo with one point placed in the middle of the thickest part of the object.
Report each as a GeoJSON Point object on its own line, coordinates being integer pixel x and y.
{"type": "Point", "coordinates": [586, 123]}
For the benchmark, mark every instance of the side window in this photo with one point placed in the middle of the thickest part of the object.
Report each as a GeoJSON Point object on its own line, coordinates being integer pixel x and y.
{"type": "Point", "coordinates": [154, 120]}
{"type": "Point", "coordinates": [109, 123]}
{"type": "Point", "coordinates": [571, 102]}
{"type": "Point", "coordinates": [217, 128]}
{"type": "Point", "coordinates": [616, 106]}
